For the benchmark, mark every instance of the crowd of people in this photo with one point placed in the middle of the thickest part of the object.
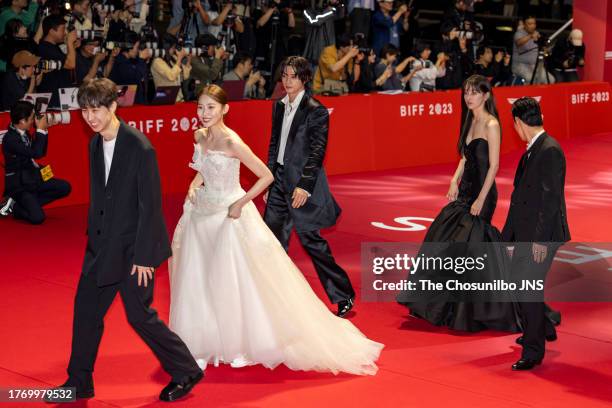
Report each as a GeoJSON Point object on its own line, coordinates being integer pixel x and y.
{"type": "Point", "coordinates": [360, 46]}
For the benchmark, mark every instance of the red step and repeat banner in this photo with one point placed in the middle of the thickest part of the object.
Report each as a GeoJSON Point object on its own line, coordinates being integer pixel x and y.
{"type": "Point", "coordinates": [367, 132]}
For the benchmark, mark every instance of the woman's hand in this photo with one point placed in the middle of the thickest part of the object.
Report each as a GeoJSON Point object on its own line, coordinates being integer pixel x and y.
{"type": "Point", "coordinates": [476, 207]}
{"type": "Point", "coordinates": [453, 191]}
{"type": "Point", "coordinates": [191, 195]}
{"type": "Point", "coordinates": [235, 210]}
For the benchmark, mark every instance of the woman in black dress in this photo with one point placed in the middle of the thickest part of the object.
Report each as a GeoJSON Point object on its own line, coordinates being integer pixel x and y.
{"type": "Point", "coordinates": [467, 218]}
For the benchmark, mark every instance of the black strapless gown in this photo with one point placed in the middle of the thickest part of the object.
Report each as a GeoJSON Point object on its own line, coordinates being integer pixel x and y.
{"type": "Point", "coordinates": [455, 224]}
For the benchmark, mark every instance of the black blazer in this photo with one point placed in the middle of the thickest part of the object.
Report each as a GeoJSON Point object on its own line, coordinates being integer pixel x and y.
{"type": "Point", "coordinates": [303, 162]}
{"type": "Point", "coordinates": [20, 172]}
{"type": "Point", "coordinates": [537, 208]}
{"type": "Point", "coordinates": [125, 221]}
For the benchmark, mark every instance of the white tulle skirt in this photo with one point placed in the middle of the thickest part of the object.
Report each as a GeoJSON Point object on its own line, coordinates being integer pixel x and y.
{"type": "Point", "coordinates": [236, 295]}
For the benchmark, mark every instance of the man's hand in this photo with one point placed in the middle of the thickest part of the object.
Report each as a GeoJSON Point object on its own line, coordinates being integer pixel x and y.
{"type": "Point", "coordinates": [41, 123]}
{"type": "Point", "coordinates": [219, 52]}
{"type": "Point", "coordinates": [265, 196]}
{"type": "Point", "coordinates": [71, 38]}
{"type": "Point", "coordinates": [539, 252]}
{"type": "Point", "coordinates": [145, 273]}
{"type": "Point", "coordinates": [144, 54]}
{"type": "Point", "coordinates": [299, 197]}
{"type": "Point", "coordinates": [99, 57]}
{"type": "Point", "coordinates": [353, 52]}
{"type": "Point", "coordinates": [499, 56]}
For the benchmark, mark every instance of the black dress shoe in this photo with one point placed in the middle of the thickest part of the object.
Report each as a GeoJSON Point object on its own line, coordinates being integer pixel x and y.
{"type": "Point", "coordinates": [525, 364]}
{"type": "Point", "coordinates": [59, 396]}
{"type": "Point", "coordinates": [344, 306]}
{"type": "Point", "coordinates": [174, 391]}
{"type": "Point", "coordinates": [550, 337]}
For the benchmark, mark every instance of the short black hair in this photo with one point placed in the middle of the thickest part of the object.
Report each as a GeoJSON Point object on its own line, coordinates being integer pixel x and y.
{"type": "Point", "coordinates": [388, 49]}
{"type": "Point", "coordinates": [130, 38]}
{"type": "Point", "coordinates": [300, 65]}
{"type": "Point", "coordinates": [343, 40]}
{"type": "Point", "coordinates": [21, 110]}
{"type": "Point", "coordinates": [242, 57]}
{"type": "Point", "coordinates": [527, 110]}
{"type": "Point", "coordinates": [12, 27]}
{"type": "Point", "coordinates": [97, 92]}
{"type": "Point", "coordinates": [481, 50]}
{"type": "Point", "coordinates": [52, 22]}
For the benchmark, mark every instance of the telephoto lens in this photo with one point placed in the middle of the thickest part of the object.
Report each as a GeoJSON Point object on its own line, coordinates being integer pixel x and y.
{"type": "Point", "coordinates": [58, 118]}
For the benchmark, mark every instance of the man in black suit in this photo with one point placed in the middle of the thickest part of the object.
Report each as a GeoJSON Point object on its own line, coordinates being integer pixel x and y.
{"type": "Point", "coordinates": [24, 187]}
{"type": "Point", "coordinates": [537, 222]}
{"type": "Point", "coordinates": [127, 240]}
{"type": "Point", "coordinates": [300, 196]}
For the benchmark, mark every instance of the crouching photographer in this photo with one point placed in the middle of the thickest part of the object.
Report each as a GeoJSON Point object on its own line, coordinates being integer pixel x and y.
{"type": "Point", "coordinates": [28, 185]}
{"type": "Point", "coordinates": [567, 56]}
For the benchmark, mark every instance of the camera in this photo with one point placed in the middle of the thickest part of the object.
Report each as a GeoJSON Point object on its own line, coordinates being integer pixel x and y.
{"type": "Point", "coordinates": [53, 118]}
{"type": "Point", "coordinates": [161, 52]}
{"type": "Point", "coordinates": [47, 65]}
{"type": "Point", "coordinates": [90, 34]}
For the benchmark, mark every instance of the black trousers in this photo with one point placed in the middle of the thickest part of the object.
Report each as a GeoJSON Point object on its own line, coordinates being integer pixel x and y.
{"type": "Point", "coordinates": [334, 279]}
{"type": "Point", "coordinates": [90, 307]}
{"type": "Point", "coordinates": [562, 76]}
{"type": "Point", "coordinates": [536, 317]}
{"type": "Point", "coordinates": [360, 21]}
{"type": "Point", "coordinates": [29, 204]}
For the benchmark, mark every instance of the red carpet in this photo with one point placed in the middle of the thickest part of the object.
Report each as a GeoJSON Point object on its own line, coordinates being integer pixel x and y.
{"type": "Point", "coordinates": [421, 366]}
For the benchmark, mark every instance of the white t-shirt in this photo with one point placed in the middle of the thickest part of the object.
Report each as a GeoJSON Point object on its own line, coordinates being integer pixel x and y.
{"type": "Point", "coordinates": [109, 150]}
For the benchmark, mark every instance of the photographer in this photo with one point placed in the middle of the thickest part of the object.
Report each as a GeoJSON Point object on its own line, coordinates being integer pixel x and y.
{"type": "Point", "coordinates": [525, 52]}
{"type": "Point", "coordinates": [386, 28]}
{"type": "Point", "coordinates": [567, 56]}
{"type": "Point", "coordinates": [130, 66]}
{"type": "Point", "coordinates": [335, 63]}
{"type": "Point", "coordinates": [19, 81]}
{"type": "Point", "coordinates": [54, 34]}
{"type": "Point", "coordinates": [255, 86]}
{"type": "Point", "coordinates": [458, 62]}
{"type": "Point", "coordinates": [79, 16]}
{"type": "Point", "coordinates": [227, 16]}
{"type": "Point", "coordinates": [320, 29]}
{"type": "Point", "coordinates": [24, 184]}
{"type": "Point", "coordinates": [388, 75]}
{"type": "Point", "coordinates": [15, 39]}
{"type": "Point", "coordinates": [23, 10]}
{"type": "Point", "coordinates": [89, 60]}
{"type": "Point", "coordinates": [190, 19]}
{"type": "Point", "coordinates": [173, 68]}
{"type": "Point", "coordinates": [207, 68]}
{"type": "Point", "coordinates": [496, 70]}
{"type": "Point", "coordinates": [459, 16]}
{"type": "Point", "coordinates": [426, 72]}
{"type": "Point", "coordinates": [362, 79]}
{"type": "Point", "coordinates": [274, 21]}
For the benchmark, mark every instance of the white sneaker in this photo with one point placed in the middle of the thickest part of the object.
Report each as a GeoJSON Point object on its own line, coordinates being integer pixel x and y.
{"type": "Point", "coordinates": [240, 362]}
{"type": "Point", "coordinates": [7, 207]}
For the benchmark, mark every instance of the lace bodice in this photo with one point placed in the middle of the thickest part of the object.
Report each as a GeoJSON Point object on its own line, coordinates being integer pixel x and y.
{"type": "Point", "coordinates": [221, 175]}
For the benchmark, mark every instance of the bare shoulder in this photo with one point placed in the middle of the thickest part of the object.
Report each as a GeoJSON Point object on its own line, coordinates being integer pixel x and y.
{"type": "Point", "coordinates": [492, 123]}
{"type": "Point", "coordinates": [233, 142]}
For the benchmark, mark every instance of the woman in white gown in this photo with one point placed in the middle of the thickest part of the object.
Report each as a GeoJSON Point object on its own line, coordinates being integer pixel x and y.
{"type": "Point", "coordinates": [236, 297]}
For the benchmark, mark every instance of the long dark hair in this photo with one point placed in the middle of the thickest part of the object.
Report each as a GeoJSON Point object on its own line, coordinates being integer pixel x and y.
{"type": "Point", "coordinates": [482, 85]}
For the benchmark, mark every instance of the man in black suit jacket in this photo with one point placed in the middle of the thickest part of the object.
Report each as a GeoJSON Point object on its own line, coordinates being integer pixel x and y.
{"type": "Point", "coordinates": [300, 196]}
{"type": "Point", "coordinates": [127, 240]}
{"type": "Point", "coordinates": [537, 221]}
{"type": "Point", "coordinates": [24, 187]}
